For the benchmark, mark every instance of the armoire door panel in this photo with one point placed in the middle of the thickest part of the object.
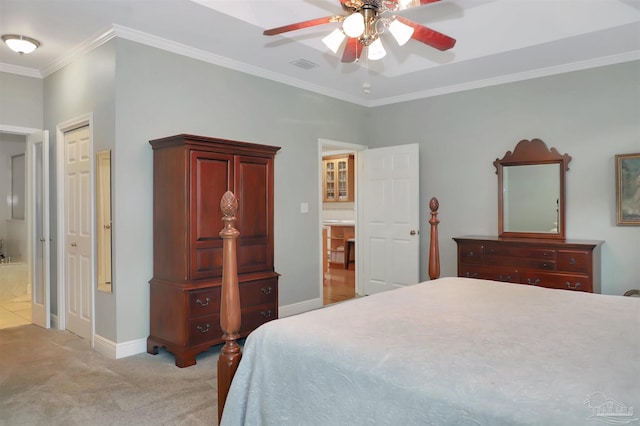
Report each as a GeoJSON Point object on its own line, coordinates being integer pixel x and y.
{"type": "Point", "coordinates": [253, 174]}
{"type": "Point", "coordinates": [208, 262]}
{"type": "Point", "coordinates": [252, 257]}
{"type": "Point", "coordinates": [211, 175]}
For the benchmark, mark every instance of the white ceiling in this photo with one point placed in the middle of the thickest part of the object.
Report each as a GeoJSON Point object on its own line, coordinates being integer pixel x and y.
{"type": "Point", "coordinates": [497, 40]}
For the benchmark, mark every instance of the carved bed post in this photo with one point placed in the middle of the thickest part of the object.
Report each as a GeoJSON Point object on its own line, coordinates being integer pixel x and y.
{"type": "Point", "coordinates": [230, 301]}
{"type": "Point", "coordinates": [434, 250]}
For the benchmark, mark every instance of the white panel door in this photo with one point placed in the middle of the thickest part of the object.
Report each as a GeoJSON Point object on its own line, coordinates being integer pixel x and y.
{"type": "Point", "coordinates": [38, 234]}
{"type": "Point", "coordinates": [390, 241]}
{"type": "Point", "coordinates": [78, 241]}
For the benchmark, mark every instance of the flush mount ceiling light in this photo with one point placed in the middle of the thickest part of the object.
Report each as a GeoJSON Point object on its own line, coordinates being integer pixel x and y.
{"type": "Point", "coordinates": [365, 22]}
{"type": "Point", "coordinates": [20, 44]}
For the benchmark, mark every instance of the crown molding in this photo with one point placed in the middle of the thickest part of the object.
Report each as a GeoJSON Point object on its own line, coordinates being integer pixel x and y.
{"type": "Point", "coordinates": [201, 55]}
{"type": "Point", "coordinates": [23, 71]}
{"type": "Point", "coordinates": [79, 50]}
{"type": "Point", "coordinates": [511, 78]}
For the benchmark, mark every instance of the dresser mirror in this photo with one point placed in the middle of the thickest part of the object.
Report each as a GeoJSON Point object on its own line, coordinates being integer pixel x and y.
{"type": "Point", "coordinates": [531, 191]}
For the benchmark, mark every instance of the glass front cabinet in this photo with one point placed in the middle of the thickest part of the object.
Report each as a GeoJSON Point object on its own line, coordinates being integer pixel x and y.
{"type": "Point", "coordinates": [337, 178]}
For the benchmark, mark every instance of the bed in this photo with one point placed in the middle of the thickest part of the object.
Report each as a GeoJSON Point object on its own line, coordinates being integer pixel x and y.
{"type": "Point", "coordinates": [449, 351]}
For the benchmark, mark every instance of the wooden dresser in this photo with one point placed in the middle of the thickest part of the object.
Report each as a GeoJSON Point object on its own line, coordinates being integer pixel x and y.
{"type": "Point", "coordinates": [560, 264]}
{"type": "Point", "coordinates": [190, 175]}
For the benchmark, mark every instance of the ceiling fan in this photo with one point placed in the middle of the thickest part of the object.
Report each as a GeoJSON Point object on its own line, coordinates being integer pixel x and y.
{"type": "Point", "coordinates": [363, 24]}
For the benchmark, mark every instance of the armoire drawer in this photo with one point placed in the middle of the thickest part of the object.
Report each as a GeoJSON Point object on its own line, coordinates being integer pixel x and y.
{"type": "Point", "coordinates": [204, 302]}
{"type": "Point", "coordinates": [204, 329]}
{"type": "Point", "coordinates": [259, 292]}
{"type": "Point", "coordinates": [255, 316]}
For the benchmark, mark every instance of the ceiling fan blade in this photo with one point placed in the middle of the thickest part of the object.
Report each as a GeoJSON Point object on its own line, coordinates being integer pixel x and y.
{"type": "Point", "coordinates": [304, 24]}
{"type": "Point", "coordinates": [402, 5]}
{"type": "Point", "coordinates": [352, 50]}
{"type": "Point", "coordinates": [429, 36]}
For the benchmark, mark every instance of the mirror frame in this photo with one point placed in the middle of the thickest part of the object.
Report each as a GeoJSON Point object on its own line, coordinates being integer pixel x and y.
{"type": "Point", "coordinates": [533, 152]}
{"type": "Point", "coordinates": [103, 222]}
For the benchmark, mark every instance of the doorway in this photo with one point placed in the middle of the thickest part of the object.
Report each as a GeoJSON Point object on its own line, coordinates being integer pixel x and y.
{"type": "Point", "coordinates": [338, 222]}
{"type": "Point", "coordinates": [15, 288]}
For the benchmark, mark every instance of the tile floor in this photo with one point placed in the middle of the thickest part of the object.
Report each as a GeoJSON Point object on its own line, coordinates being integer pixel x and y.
{"type": "Point", "coordinates": [15, 312]}
{"type": "Point", "coordinates": [15, 295]}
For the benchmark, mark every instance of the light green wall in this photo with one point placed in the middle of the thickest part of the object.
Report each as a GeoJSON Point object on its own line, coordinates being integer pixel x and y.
{"type": "Point", "coordinates": [21, 101]}
{"type": "Point", "coordinates": [161, 94]}
{"type": "Point", "coordinates": [85, 86]}
{"type": "Point", "coordinates": [591, 115]}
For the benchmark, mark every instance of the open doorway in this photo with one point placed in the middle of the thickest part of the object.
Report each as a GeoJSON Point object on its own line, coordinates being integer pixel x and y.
{"type": "Point", "coordinates": [338, 220]}
{"type": "Point", "coordinates": [15, 286]}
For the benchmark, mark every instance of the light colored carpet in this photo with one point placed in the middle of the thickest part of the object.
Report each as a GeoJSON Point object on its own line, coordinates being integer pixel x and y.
{"type": "Point", "coordinates": [51, 377]}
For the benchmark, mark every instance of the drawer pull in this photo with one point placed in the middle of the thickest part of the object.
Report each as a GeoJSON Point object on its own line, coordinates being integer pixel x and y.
{"type": "Point", "coordinates": [507, 278]}
{"type": "Point", "coordinates": [471, 275]}
{"type": "Point", "coordinates": [533, 282]}
{"type": "Point", "coordinates": [572, 261]}
{"type": "Point", "coordinates": [266, 290]}
{"type": "Point", "coordinates": [574, 287]}
{"type": "Point", "coordinates": [266, 314]}
{"type": "Point", "coordinates": [204, 329]}
{"type": "Point", "coordinates": [203, 304]}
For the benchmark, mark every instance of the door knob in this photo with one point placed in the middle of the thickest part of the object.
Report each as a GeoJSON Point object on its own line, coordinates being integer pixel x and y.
{"type": "Point", "coordinates": [74, 245]}
{"type": "Point", "coordinates": [412, 232]}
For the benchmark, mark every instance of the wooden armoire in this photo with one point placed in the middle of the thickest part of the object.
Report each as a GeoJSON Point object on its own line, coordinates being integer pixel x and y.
{"type": "Point", "coordinates": [190, 175]}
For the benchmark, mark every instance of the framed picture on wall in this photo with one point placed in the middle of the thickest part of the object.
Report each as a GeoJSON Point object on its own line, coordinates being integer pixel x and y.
{"type": "Point", "coordinates": [628, 189]}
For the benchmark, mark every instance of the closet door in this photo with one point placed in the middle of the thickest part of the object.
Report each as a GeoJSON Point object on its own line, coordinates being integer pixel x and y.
{"type": "Point", "coordinates": [211, 175]}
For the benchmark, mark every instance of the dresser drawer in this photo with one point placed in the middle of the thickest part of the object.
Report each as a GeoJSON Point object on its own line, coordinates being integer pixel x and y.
{"type": "Point", "coordinates": [503, 274]}
{"type": "Point", "coordinates": [519, 252]}
{"type": "Point", "coordinates": [204, 302]}
{"type": "Point", "coordinates": [259, 293]}
{"type": "Point", "coordinates": [470, 253]}
{"type": "Point", "coordinates": [558, 281]}
{"type": "Point", "coordinates": [204, 329]}
{"type": "Point", "coordinates": [574, 261]}
{"type": "Point", "coordinates": [520, 262]}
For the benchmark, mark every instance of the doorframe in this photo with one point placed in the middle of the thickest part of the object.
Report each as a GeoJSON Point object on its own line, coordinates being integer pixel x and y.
{"type": "Point", "coordinates": [61, 129]}
{"type": "Point", "coordinates": [354, 148]}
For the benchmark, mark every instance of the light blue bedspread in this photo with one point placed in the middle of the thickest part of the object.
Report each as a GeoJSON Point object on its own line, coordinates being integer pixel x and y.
{"type": "Point", "coordinates": [453, 351]}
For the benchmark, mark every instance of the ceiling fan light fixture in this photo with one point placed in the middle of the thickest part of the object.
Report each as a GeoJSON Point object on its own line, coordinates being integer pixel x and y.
{"type": "Point", "coordinates": [334, 40]}
{"type": "Point", "coordinates": [400, 31]}
{"type": "Point", "coordinates": [353, 25]}
{"type": "Point", "coordinates": [20, 44]}
{"type": "Point", "coordinates": [376, 50]}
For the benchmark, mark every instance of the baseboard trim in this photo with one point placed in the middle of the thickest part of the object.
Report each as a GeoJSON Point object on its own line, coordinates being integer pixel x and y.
{"type": "Point", "coordinates": [118, 350]}
{"type": "Point", "coordinates": [298, 308]}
